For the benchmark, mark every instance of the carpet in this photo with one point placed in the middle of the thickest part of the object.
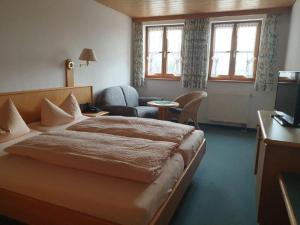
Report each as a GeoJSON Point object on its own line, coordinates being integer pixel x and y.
{"type": "Point", "coordinates": [223, 189]}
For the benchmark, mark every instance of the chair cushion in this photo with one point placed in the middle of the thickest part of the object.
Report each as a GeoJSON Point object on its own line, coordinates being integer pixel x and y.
{"type": "Point", "coordinates": [147, 111]}
{"type": "Point", "coordinates": [111, 96]}
{"type": "Point", "coordinates": [131, 96]}
{"type": "Point", "coordinates": [175, 110]}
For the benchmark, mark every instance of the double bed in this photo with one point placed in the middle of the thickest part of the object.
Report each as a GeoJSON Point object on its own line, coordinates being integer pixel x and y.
{"type": "Point", "coordinates": [36, 192]}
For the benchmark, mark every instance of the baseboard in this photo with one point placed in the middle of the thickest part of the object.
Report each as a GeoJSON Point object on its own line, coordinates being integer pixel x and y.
{"type": "Point", "coordinates": [224, 126]}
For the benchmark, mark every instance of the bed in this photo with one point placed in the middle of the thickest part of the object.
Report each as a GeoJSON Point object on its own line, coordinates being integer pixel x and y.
{"type": "Point", "coordinates": [58, 195]}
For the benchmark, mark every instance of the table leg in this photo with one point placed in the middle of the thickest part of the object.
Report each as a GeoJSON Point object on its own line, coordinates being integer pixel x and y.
{"type": "Point", "coordinates": [162, 113]}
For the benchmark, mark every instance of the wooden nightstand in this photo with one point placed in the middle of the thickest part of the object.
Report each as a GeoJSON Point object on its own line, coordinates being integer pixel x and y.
{"type": "Point", "coordinates": [101, 113]}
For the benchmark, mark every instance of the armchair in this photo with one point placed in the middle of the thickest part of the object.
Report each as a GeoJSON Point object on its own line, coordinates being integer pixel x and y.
{"type": "Point", "coordinates": [188, 107]}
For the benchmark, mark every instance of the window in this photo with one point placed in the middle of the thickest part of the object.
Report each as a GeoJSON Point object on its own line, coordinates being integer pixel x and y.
{"type": "Point", "coordinates": [163, 51]}
{"type": "Point", "coordinates": [234, 50]}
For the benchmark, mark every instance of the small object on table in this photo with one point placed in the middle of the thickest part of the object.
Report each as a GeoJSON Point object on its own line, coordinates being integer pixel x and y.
{"type": "Point", "coordinates": [162, 107]}
{"type": "Point", "coordinates": [96, 114]}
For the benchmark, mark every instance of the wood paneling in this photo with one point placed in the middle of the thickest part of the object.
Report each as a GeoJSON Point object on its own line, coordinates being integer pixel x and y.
{"type": "Point", "coordinates": [28, 103]}
{"type": "Point", "coordinates": [160, 8]}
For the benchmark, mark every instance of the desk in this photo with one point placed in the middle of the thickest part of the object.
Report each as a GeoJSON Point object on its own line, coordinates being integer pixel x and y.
{"type": "Point", "coordinates": [162, 107]}
{"type": "Point", "coordinates": [278, 150]}
{"type": "Point", "coordinates": [290, 187]}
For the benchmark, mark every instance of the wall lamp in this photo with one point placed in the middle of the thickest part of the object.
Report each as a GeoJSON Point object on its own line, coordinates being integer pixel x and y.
{"type": "Point", "coordinates": [88, 55]}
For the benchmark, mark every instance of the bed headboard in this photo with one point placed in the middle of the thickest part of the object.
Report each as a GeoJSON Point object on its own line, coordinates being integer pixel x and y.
{"type": "Point", "coordinates": [29, 102]}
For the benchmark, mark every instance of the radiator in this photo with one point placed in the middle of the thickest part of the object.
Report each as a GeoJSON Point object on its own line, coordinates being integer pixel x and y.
{"type": "Point", "coordinates": [229, 108]}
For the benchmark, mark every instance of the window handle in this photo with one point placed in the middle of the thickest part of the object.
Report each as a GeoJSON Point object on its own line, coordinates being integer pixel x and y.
{"type": "Point", "coordinates": [234, 54]}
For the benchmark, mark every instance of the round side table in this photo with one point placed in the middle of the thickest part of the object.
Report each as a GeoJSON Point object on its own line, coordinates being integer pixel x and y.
{"type": "Point", "coordinates": [162, 107]}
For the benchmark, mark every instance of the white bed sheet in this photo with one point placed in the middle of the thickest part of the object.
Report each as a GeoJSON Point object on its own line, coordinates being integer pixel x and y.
{"type": "Point", "coordinates": [4, 145]}
{"type": "Point", "coordinates": [116, 200]}
{"type": "Point", "coordinates": [187, 148]}
{"type": "Point", "coordinates": [39, 127]}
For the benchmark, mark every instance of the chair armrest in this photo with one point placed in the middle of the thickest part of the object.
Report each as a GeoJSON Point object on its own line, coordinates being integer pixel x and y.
{"type": "Point", "coordinates": [143, 100]}
{"type": "Point", "coordinates": [118, 110]}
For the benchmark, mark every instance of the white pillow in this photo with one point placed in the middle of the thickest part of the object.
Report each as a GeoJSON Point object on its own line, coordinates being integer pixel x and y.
{"type": "Point", "coordinates": [11, 123]}
{"type": "Point", "coordinates": [71, 106]}
{"type": "Point", "coordinates": [52, 115]}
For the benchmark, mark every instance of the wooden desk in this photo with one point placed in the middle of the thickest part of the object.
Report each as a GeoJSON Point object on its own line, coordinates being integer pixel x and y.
{"type": "Point", "coordinates": [290, 187]}
{"type": "Point", "coordinates": [278, 150]}
{"type": "Point", "coordinates": [162, 107]}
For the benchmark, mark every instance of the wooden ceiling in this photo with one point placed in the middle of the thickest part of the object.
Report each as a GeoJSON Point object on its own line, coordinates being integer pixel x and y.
{"type": "Point", "coordinates": [160, 8]}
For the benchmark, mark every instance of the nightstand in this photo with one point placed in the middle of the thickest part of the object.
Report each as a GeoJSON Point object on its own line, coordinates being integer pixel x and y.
{"type": "Point", "coordinates": [97, 114]}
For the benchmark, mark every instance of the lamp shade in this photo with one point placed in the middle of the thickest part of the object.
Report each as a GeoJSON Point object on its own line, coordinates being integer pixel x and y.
{"type": "Point", "coordinates": [88, 55]}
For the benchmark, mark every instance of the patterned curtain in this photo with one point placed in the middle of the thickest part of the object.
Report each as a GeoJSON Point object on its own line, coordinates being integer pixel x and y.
{"type": "Point", "coordinates": [266, 74]}
{"type": "Point", "coordinates": [138, 55]}
{"type": "Point", "coordinates": [194, 53]}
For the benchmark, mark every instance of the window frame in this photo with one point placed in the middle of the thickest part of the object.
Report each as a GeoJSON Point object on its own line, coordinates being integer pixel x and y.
{"type": "Point", "coordinates": [232, 76]}
{"type": "Point", "coordinates": [164, 75]}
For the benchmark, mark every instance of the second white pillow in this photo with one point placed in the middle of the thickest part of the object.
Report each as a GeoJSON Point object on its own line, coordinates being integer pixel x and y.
{"type": "Point", "coordinates": [71, 106]}
{"type": "Point", "coordinates": [52, 115]}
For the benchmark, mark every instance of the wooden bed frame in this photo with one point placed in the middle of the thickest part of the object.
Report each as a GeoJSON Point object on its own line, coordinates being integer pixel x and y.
{"type": "Point", "coordinates": [36, 212]}
{"type": "Point", "coordinates": [28, 103]}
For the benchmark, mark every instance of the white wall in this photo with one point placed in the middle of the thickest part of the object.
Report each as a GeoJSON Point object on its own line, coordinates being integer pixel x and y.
{"type": "Point", "coordinates": [172, 89]}
{"type": "Point", "coordinates": [258, 100]}
{"type": "Point", "coordinates": [36, 36]}
{"type": "Point", "coordinates": [293, 53]}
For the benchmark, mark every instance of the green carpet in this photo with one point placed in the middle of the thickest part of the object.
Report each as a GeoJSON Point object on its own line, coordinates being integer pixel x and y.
{"type": "Point", "coordinates": [223, 188]}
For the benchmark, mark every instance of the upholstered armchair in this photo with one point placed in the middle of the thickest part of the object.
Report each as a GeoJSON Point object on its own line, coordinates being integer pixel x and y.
{"type": "Point", "coordinates": [188, 107]}
{"type": "Point", "coordinates": [125, 101]}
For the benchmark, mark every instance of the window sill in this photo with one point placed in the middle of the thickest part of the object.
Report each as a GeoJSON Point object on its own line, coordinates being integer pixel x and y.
{"type": "Point", "coordinates": [231, 81]}
{"type": "Point", "coordinates": [172, 78]}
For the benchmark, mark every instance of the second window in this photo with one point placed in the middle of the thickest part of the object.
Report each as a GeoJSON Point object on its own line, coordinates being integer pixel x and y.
{"type": "Point", "coordinates": [234, 50]}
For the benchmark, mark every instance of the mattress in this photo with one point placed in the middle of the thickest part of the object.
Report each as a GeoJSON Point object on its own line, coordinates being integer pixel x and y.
{"type": "Point", "coordinates": [187, 148]}
{"type": "Point", "coordinates": [190, 145]}
{"type": "Point", "coordinates": [113, 199]}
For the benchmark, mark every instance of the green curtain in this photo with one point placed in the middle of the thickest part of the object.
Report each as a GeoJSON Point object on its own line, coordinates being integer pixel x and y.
{"type": "Point", "coordinates": [266, 74]}
{"type": "Point", "coordinates": [195, 53]}
{"type": "Point", "coordinates": [138, 54]}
